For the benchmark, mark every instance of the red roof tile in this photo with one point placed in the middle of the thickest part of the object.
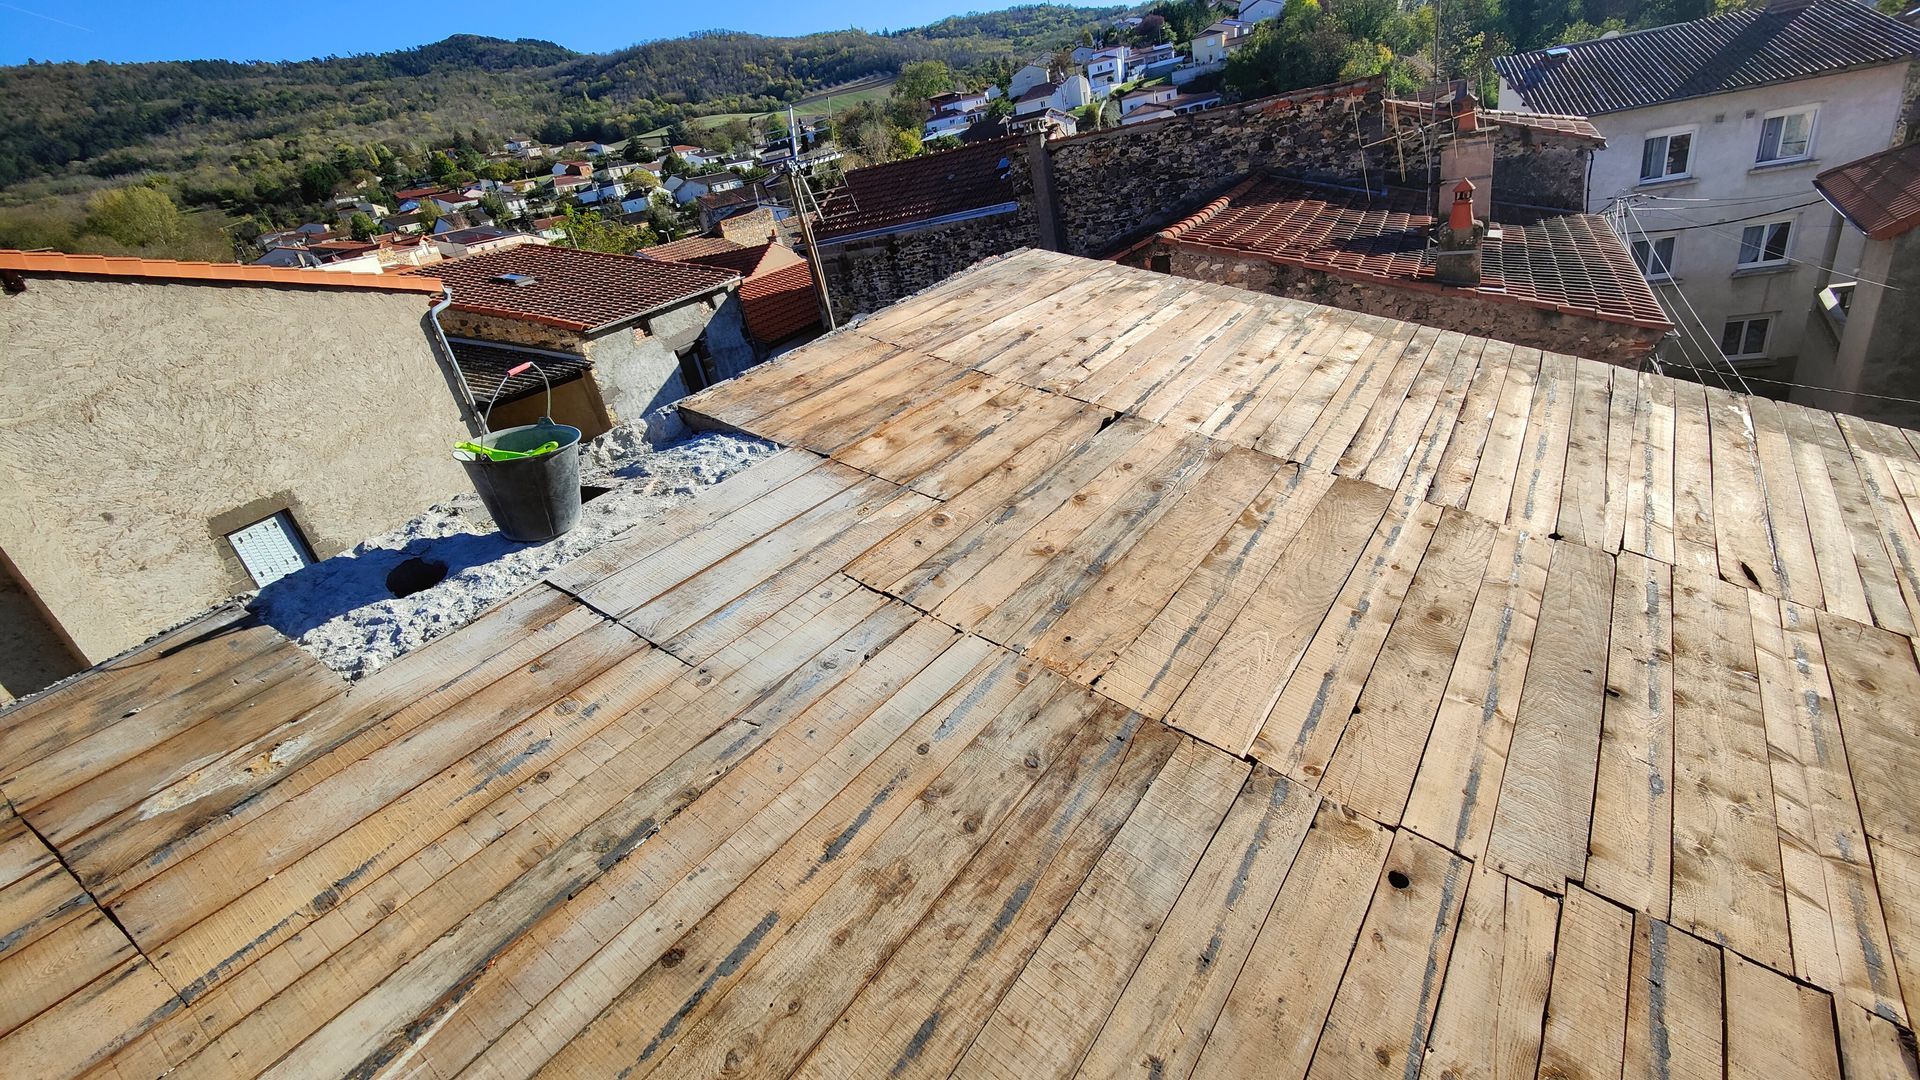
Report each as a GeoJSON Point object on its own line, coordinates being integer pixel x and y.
{"type": "Point", "coordinates": [573, 289]}
{"type": "Point", "coordinates": [1879, 193]}
{"type": "Point", "coordinates": [886, 197]}
{"type": "Point", "coordinates": [780, 304]}
{"type": "Point", "coordinates": [1573, 263]}
{"type": "Point", "coordinates": [53, 262]}
{"type": "Point", "coordinates": [763, 258]}
{"type": "Point", "coordinates": [690, 248]}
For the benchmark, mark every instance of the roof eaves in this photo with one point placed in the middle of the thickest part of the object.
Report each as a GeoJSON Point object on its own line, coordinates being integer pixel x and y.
{"type": "Point", "coordinates": [110, 266]}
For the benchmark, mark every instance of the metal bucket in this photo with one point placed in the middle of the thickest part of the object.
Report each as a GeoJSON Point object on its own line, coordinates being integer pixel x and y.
{"type": "Point", "coordinates": [531, 498]}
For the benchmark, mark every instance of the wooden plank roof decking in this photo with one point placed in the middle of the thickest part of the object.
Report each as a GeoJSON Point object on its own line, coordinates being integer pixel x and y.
{"type": "Point", "coordinates": [1117, 674]}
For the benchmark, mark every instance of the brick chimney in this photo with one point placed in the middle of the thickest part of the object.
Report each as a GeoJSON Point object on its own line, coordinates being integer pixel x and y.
{"type": "Point", "coordinates": [1456, 259]}
{"type": "Point", "coordinates": [1466, 153]}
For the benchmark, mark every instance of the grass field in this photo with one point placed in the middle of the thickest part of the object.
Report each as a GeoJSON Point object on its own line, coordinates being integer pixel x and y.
{"type": "Point", "coordinates": [828, 101]}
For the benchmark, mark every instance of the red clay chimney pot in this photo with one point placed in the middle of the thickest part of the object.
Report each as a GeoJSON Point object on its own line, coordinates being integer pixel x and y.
{"type": "Point", "coordinates": [1460, 218]}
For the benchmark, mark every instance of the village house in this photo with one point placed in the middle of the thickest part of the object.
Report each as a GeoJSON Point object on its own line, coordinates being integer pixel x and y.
{"type": "Point", "coordinates": [1253, 11]}
{"type": "Point", "coordinates": [692, 155]}
{"type": "Point", "coordinates": [778, 300]}
{"type": "Point", "coordinates": [189, 431]}
{"type": "Point", "coordinates": [1106, 69]}
{"type": "Point", "coordinates": [1212, 45]}
{"type": "Point", "coordinates": [1063, 96]}
{"type": "Point", "coordinates": [1028, 77]}
{"type": "Point", "coordinates": [686, 189]}
{"type": "Point", "coordinates": [1715, 129]}
{"type": "Point", "coordinates": [642, 333]}
{"type": "Point", "coordinates": [1861, 340]}
{"type": "Point", "coordinates": [724, 203]}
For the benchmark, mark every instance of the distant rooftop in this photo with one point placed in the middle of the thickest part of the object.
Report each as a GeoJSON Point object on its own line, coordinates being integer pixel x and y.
{"type": "Point", "coordinates": [1744, 48]}
{"type": "Point", "coordinates": [1573, 263]}
{"type": "Point", "coordinates": [576, 290]}
{"type": "Point", "coordinates": [485, 366]}
{"type": "Point", "coordinates": [1575, 127]}
{"type": "Point", "coordinates": [1879, 193]}
{"type": "Point", "coordinates": [55, 263]}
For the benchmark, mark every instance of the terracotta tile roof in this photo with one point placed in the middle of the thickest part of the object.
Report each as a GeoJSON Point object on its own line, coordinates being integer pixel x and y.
{"type": "Point", "coordinates": [572, 289]}
{"type": "Point", "coordinates": [1879, 193]}
{"type": "Point", "coordinates": [902, 193]}
{"type": "Point", "coordinates": [485, 364]}
{"type": "Point", "coordinates": [1573, 263]}
{"type": "Point", "coordinates": [780, 304]}
{"type": "Point", "coordinates": [690, 248]}
{"type": "Point", "coordinates": [1747, 47]}
{"type": "Point", "coordinates": [748, 261]}
{"type": "Point", "coordinates": [53, 262]}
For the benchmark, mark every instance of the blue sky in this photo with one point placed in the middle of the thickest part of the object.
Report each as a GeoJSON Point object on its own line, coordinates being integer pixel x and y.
{"type": "Point", "coordinates": [278, 30]}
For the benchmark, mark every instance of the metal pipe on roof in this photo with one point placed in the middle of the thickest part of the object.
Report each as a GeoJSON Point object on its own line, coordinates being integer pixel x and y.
{"type": "Point", "coordinates": [475, 422]}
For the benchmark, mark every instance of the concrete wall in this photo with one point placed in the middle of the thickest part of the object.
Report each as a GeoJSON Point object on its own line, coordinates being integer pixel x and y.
{"type": "Point", "coordinates": [1874, 352]}
{"type": "Point", "coordinates": [1612, 343]}
{"type": "Point", "coordinates": [1859, 112]}
{"type": "Point", "coordinates": [143, 418]}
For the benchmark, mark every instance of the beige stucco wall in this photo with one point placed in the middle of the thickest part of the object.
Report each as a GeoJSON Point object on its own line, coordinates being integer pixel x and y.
{"type": "Point", "coordinates": [139, 413]}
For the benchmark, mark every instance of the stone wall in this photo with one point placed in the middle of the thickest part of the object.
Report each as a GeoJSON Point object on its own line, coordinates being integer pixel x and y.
{"type": "Point", "coordinates": [1121, 184]}
{"type": "Point", "coordinates": [1614, 343]}
{"type": "Point", "coordinates": [145, 419]}
{"type": "Point", "coordinates": [1539, 170]}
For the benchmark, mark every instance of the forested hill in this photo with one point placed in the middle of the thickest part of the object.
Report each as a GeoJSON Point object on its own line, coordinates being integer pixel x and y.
{"type": "Point", "coordinates": [217, 126]}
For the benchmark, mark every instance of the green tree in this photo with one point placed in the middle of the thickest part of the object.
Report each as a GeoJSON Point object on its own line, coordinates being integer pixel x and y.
{"type": "Point", "coordinates": [1303, 47]}
{"type": "Point", "coordinates": [138, 217]}
{"type": "Point", "coordinates": [589, 231]}
{"type": "Point", "coordinates": [923, 79]}
{"type": "Point", "coordinates": [317, 181]}
{"type": "Point", "coordinates": [492, 205]}
{"type": "Point", "coordinates": [429, 215]}
{"type": "Point", "coordinates": [362, 227]}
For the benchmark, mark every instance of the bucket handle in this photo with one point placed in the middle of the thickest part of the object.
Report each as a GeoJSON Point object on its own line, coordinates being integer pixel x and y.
{"type": "Point", "coordinates": [486, 418]}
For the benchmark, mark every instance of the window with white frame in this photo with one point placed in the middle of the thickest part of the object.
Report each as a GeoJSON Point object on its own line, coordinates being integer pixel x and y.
{"type": "Point", "coordinates": [1666, 155]}
{"type": "Point", "coordinates": [1655, 258]}
{"type": "Point", "coordinates": [1746, 338]}
{"type": "Point", "coordinates": [1765, 244]}
{"type": "Point", "coordinates": [1786, 135]}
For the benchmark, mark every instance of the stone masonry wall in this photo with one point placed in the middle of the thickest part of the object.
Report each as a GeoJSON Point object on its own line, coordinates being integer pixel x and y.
{"type": "Point", "coordinates": [1120, 184]}
{"type": "Point", "coordinates": [1615, 343]}
{"type": "Point", "coordinates": [1539, 170]}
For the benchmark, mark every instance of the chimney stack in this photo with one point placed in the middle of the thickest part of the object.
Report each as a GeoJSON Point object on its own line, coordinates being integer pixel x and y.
{"type": "Point", "coordinates": [1466, 153]}
{"type": "Point", "coordinates": [1456, 261]}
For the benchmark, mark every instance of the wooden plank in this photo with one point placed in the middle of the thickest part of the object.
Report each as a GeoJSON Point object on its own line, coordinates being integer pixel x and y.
{"type": "Point", "coordinates": [552, 982]}
{"type": "Point", "coordinates": [1623, 414]}
{"type": "Point", "coordinates": [1673, 1005]}
{"type": "Point", "coordinates": [1273, 1016]}
{"type": "Point", "coordinates": [1161, 358]}
{"type": "Point", "coordinates": [1898, 531]}
{"type": "Point", "coordinates": [920, 1013]}
{"type": "Point", "coordinates": [1787, 513]}
{"type": "Point", "coordinates": [1345, 371]}
{"type": "Point", "coordinates": [628, 999]}
{"type": "Point", "coordinates": [1234, 689]}
{"type": "Point", "coordinates": [1843, 583]}
{"type": "Point", "coordinates": [1546, 791]}
{"type": "Point", "coordinates": [1897, 873]}
{"type": "Point", "coordinates": [1876, 687]}
{"type": "Point", "coordinates": [1585, 1036]}
{"type": "Point", "coordinates": [1424, 363]}
{"type": "Point", "coordinates": [1497, 473]}
{"type": "Point", "coordinates": [1455, 790]}
{"type": "Point", "coordinates": [1306, 370]}
{"type": "Point", "coordinates": [252, 778]}
{"type": "Point", "coordinates": [1583, 517]}
{"type": "Point", "coordinates": [1874, 1048]}
{"type": "Point", "coordinates": [39, 975]}
{"type": "Point", "coordinates": [1380, 373]}
{"type": "Point", "coordinates": [1306, 722]}
{"type": "Point", "coordinates": [1778, 1027]}
{"type": "Point", "coordinates": [1650, 524]}
{"type": "Point", "coordinates": [1494, 1001]}
{"type": "Point", "coordinates": [1833, 905]}
{"type": "Point", "coordinates": [1383, 1014]}
{"type": "Point", "coordinates": [1441, 380]}
{"type": "Point", "coordinates": [1053, 1012]}
{"type": "Point", "coordinates": [1226, 366]}
{"type": "Point", "coordinates": [1161, 1022]}
{"type": "Point", "coordinates": [1152, 671]}
{"type": "Point", "coordinates": [1041, 421]}
{"type": "Point", "coordinates": [1459, 463]}
{"type": "Point", "coordinates": [754, 482]}
{"type": "Point", "coordinates": [1821, 450]}
{"type": "Point", "coordinates": [1411, 459]}
{"type": "Point", "coordinates": [91, 1023]}
{"type": "Point", "coordinates": [780, 1006]}
{"type": "Point", "coordinates": [1630, 849]}
{"type": "Point", "coordinates": [1542, 466]}
{"type": "Point", "coordinates": [1373, 767]}
{"type": "Point", "coordinates": [1103, 620]}
{"type": "Point", "coordinates": [1692, 501]}
{"type": "Point", "coordinates": [1744, 531]}
{"type": "Point", "coordinates": [1727, 879]}
{"type": "Point", "coordinates": [766, 388]}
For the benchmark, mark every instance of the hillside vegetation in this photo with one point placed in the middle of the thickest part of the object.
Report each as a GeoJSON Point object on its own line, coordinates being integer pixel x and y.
{"type": "Point", "coordinates": [236, 136]}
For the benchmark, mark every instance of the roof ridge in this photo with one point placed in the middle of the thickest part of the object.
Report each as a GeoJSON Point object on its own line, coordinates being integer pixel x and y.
{"type": "Point", "coordinates": [133, 266]}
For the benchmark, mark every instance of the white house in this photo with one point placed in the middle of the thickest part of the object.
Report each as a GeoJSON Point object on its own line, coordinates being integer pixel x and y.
{"type": "Point", "coordinates": [1210, 46]}
{"type": "Point", "coordinates": [1027, 78]}
{"type": "Point", "coordinates": [1146, 95]}
{"type": "Point", "coordinates": [1066, 95]}
{"type": "Point", "coordinates": [1107, 69]}
{"type": "Point", "coordinates": [1709, 160]}
{"type": "Point", "coordinates": [693, 155]}
{"type": "Point", "coordinates": [1144, 114]}
{"type": "Point", "coordinates": [685, 189]}
{"type": "Point", "coordinates": [1253, 11]}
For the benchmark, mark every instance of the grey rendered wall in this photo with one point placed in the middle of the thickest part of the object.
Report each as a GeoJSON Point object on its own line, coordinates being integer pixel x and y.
{"type": "Point", "coordinates": [142, 417]}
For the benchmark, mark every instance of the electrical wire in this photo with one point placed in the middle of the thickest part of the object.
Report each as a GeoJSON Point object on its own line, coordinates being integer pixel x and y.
{"type": "Point", "coordinates": [1706, 334]}
{"type": "Point", "coordinates": [1709, 226]}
